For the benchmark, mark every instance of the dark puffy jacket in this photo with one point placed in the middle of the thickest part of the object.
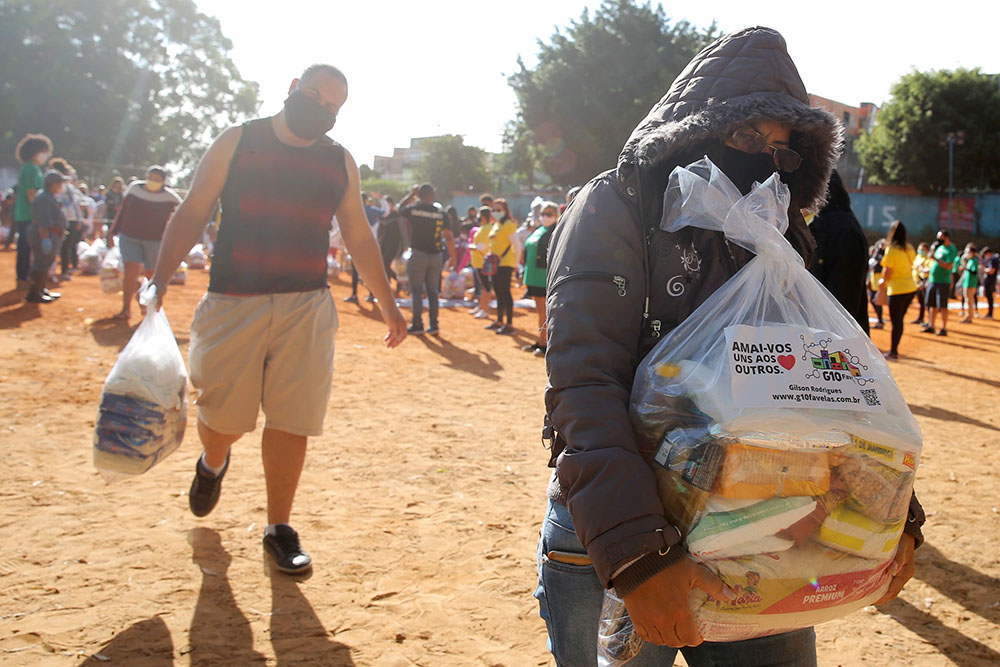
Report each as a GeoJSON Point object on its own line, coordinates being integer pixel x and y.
{"type": "Point", "coordinates": [617, 284]}
{"type": "Point", "coordinates": [841, 258]}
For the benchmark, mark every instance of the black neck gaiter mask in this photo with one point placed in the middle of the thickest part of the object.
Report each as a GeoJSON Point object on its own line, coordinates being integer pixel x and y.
{"type": "Point", "coordinates": [744, 169]}
{"type": "Point", "coordinates": [307, 118]}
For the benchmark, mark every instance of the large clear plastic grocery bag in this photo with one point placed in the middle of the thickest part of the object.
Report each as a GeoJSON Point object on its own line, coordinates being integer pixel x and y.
{"type": "Point", "coordinates": [143, 410]}
{"type": "Point", "coordinates": [785, 453]}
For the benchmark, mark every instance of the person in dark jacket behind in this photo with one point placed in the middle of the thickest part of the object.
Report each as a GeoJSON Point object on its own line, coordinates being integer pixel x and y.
{"type": "Point", "coordinates": [616, 284]}
{"type": "Point", "coordinates": [840, 261]}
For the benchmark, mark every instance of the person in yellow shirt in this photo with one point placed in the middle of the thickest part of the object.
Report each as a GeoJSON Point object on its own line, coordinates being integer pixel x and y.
{"type": "Point", "coordinates": [921, 272]}
{"type": "Point", "coordinates": [503, 244]}
{"type": "Point", "coordinates": [479, 245]}
{"type": "Point", "coordinates": [897, 278]}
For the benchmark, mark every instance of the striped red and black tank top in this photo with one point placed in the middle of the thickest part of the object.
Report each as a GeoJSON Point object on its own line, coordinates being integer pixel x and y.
{"type": "Point", "coordinates": [277, 207]}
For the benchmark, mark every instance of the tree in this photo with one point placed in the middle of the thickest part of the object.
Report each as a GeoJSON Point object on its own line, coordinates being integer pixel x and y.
{"type": "Point", "coordinates": [907, 145]}
{"type": "Point", "coordinates": [597, 79]}
{"type": "Point", "coordinates": [520, 159]}
{"type": "Point", "coordinates": [118, 82]}
{"type": "Point", "coordinates": [451, 166]}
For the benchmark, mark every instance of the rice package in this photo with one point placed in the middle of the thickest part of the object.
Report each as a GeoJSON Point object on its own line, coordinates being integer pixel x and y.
{"type": "Point", "coordinates": [784, 451]}
{"type": "Point", "coordinates": [143, 411]}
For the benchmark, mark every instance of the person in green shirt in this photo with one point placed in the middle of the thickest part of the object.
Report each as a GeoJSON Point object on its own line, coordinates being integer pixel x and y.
{"type": "Point", "coordinates": [32, 151]}
{"type": "Point", "coordinates": [968, 282]}
{"type": "Point", "coordinates": [536, 270]}
{"type": "Point", "coordinates": [943, 256]}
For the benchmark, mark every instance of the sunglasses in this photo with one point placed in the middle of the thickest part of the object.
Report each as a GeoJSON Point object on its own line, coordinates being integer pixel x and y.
{"type": "Point", "coordinates": [750, 140]}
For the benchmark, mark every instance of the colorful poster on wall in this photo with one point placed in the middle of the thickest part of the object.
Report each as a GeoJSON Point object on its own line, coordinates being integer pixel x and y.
{"type": "Point", "coordinates": [963, 214]}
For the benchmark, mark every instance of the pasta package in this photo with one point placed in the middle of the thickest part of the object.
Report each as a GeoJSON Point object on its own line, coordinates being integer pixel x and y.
{"type": "Point", "coordinates": [751, 472]}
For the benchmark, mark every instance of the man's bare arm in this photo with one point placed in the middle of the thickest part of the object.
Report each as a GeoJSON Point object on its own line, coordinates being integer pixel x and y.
{"type": "Point", "coordinates": [189, 220]}
{"type": "Point", "coordinates": [360, 242]}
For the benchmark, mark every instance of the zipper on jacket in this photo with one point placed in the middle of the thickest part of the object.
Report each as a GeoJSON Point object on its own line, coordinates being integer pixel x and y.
{"type": "Point", "coordinates": [619, 281]}
{"type": "Point", "coordinates": [656, 325]}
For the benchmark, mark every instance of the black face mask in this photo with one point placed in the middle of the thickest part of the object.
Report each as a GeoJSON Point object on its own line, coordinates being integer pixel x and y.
{"type": "Point", "coordinates": [743, 169]}
{"type": "Point", "coordinates": [307, 118]}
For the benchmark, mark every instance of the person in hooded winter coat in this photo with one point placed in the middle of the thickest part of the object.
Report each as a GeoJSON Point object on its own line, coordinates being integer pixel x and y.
{"type": "Point", "coordinates": [616, 284]}
{"type": "Point", "coordinates": [840, 261]}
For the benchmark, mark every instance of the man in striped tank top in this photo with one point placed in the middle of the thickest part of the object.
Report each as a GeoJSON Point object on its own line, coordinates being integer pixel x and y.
{"type": "Point", "coordinates": [263, 334]}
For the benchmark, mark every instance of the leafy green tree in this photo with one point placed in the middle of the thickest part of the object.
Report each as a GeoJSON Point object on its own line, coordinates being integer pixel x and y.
{"type": "Point", "coordinates": [908, 144]}
{"type": "Point", "coordinates": [451, 166]}
{"type": "Point", "coordinates": [118, 82]}
{"type": "Point", "coordinates": [521, 156]}
{"type": "Point", "coordinates": [597, 79]}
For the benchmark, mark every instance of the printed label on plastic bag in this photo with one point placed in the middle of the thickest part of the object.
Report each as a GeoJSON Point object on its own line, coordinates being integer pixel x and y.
{"type": "Point", "coordinates": [798, 367]}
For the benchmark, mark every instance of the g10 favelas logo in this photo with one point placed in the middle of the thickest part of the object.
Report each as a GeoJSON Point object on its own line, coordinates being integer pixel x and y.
{"type": "Point", "coordinates": [819, 359]}
{"type": "Point", "coordinates": [834, 364]}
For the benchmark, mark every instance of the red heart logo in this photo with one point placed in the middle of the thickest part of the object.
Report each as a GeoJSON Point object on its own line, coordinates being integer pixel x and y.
{"type": "Point", "coordinates": [786, 361]}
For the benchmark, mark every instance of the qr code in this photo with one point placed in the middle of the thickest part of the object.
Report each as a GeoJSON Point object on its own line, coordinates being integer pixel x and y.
{"type": "Point", "coordinates": [871, 397]}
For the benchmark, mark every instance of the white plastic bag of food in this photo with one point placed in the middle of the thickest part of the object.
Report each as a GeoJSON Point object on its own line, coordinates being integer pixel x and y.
{"type": "Point", "coordinates": [180, 275]}
{"type": "Point", "coordinates": [112, 276]}
{"type": "Point", "coordinates": [197, 259]}
{"type": "Point", "coordinates": [453, 286]}
{"type": "Point", "coordinates": [785, 453]}
{"type": "Point", "coordinates": [143, 410]}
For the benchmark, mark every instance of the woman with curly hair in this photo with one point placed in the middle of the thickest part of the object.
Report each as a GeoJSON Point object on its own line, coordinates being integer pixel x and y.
{"type": "Point", "coordinates": [32, 151]}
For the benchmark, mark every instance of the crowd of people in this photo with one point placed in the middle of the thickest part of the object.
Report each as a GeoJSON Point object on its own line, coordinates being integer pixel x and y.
{"type": "Point", "coordinates": [49, 213]}
{"type": "Point", "coordinates": [492, 253]}
{"type": "Point", "coordinates": [932, 273]}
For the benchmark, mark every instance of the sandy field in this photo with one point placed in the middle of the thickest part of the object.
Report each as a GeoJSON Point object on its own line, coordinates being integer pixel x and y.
{"type": "Point", "coordinates": [421, 506]}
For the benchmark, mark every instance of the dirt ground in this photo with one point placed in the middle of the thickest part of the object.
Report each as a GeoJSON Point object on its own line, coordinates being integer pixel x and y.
{"type": "Point", "coordinates": [421, 506]}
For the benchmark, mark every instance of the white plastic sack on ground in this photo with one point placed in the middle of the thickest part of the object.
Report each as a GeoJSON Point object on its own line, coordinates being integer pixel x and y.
{"type": "Point", "coordinates": [112, 277]}
{"type": "Point", "coordinates": [180, 275]}
{"type": "Point", "coordinates": [469, 276]}
{"type": "Point", "coordinates": [143, 410]}
{"type": "Point", "coordinates": [197, 259]}
{"type": "Point", "coordinates": [785, 453]}
{"type": "Point", "coordinates": [453, 286]}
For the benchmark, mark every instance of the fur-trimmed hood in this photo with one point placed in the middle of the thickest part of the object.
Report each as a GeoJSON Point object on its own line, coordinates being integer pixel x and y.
{"type": "Point", "coordinates": [739, 77]}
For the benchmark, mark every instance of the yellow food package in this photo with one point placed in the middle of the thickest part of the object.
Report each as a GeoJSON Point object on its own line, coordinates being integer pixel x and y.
{"type": "Point", "coordinates": [850, 531]}
{"type": "Point", "coordinates": [751, 472]}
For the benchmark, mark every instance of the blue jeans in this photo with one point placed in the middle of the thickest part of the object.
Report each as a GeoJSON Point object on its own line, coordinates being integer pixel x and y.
{"type": "Point", "coordinates": [424, 272]}
{"type": "Point", "coordinates": [570, 598]}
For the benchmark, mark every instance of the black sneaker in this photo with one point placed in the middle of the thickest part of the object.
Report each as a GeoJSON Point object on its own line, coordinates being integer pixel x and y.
{"type": "Point", "coordinates": [415, 330]}
{"type": "Point", "coordinates": [205, 489]}
{"type": "Point", "coordinates": [505, 330]}
{"type": "Point", "coordinates": [51, 295]}
{"type": "Point", "coordinates": [285, 549]}
{"type": "Point", "coordinates": [529, 348]}
{"type": "Point", "coordinates": [433, 331]}
{"type": "Point", "coordinates": [492, 327]}
{"type": "Point", "coordinates": [351, 299]}
{"type": "Point", "coordinates": [941, 332]}
{"type": "Point", "coordinates": [929, 330]}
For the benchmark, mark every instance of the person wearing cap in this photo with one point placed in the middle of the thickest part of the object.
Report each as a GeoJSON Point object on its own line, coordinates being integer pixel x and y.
{"type": "Point", "coordinates": [44, 234]}
{"type": "Point", "coordinates": [617, 284]}
{"type": "Point", "coordinates": [427, 226]}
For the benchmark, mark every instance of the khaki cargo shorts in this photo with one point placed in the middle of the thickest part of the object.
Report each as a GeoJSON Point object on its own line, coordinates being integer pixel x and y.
{"type": "Point", "coordinates": [273, 351]}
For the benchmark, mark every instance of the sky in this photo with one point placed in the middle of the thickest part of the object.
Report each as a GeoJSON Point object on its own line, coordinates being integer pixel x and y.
{"type": "Point", "coordinates": [440, 66]}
